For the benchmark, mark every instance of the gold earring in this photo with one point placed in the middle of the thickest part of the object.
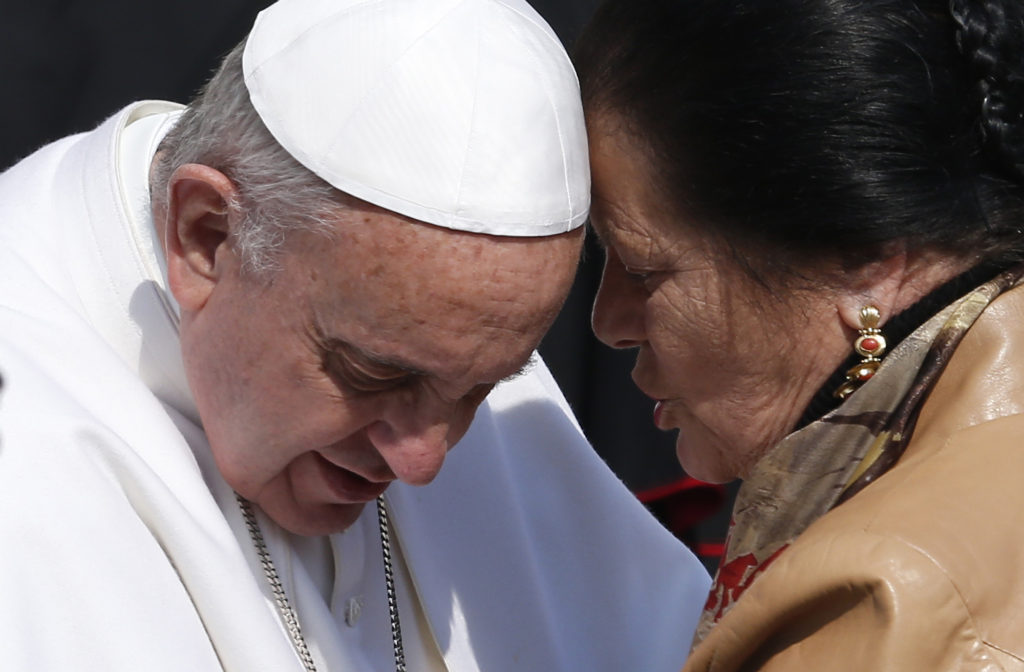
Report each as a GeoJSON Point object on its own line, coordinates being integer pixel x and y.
{"type": "Point", "coordinates": [871, 346]}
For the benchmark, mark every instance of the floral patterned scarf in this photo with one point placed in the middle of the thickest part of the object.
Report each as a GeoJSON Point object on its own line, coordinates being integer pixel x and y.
{"type": "Point", "coordinates": [825, 463]}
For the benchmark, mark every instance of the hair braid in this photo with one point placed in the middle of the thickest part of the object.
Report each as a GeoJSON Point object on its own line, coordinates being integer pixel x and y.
{"type": "Point", "coordinates": [990, 35]}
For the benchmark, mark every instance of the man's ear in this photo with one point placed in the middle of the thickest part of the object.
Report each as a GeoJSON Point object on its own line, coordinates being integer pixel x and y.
{"type": "Point", "coordinates": [198, 223]}
{"type": "Point", "coordinates": [879, 284]}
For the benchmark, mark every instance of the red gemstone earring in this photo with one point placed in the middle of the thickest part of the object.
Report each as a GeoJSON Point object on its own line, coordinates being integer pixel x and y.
{"type": "Point", "coordinates": [871, 346]}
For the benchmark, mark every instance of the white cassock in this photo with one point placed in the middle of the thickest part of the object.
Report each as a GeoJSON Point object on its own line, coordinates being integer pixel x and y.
{"type": "Point", "coordinates": [121, 548]}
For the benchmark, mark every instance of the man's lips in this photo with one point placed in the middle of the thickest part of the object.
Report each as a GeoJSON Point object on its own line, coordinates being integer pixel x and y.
{"type": "Point", "coordinates": [348, 486]}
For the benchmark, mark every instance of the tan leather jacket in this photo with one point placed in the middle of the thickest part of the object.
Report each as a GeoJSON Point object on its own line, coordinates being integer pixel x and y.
{"type": "Point", "coordinates": [924, 569]}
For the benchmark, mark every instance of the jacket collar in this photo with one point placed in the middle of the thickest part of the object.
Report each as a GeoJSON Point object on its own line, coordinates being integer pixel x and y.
{"type": "Point", "coordinates": [984, 378]}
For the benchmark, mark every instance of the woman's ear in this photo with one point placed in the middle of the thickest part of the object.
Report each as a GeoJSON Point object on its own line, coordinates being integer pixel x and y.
{"type": "Point", "coordinates": [197, 225]}
{"type": "Point", "coordinates": [879, 284]}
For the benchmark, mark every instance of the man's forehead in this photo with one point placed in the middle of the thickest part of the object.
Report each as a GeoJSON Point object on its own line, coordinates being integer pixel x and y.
{"type": "Point", "coordinates": [393, 275]}
{"type": "Point", "coordinates": [429, 300]}
{"type": "Point", "coordinates": [374, 236]}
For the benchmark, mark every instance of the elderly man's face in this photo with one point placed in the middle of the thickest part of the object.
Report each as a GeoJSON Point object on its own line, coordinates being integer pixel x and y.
{"type": "Point", "coordinates": [364, 359]}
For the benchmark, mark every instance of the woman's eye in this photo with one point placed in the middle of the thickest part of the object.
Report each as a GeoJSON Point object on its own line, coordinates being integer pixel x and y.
{"type": "Point", "coordinates": [639, 276]}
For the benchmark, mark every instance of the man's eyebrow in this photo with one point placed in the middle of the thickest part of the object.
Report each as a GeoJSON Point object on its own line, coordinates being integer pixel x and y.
{"type": "Point", "coordinates": [342, 347]}
{"type": "Point", "coordinates": [351, 351]}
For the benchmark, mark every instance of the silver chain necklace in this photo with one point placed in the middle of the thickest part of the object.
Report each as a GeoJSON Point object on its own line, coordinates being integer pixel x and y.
{"type": "Point", "coordinates": [284, 607]}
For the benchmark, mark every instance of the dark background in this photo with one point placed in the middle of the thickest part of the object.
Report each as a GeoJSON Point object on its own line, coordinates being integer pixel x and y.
{"type": "Point", "coordinates": [68, 64]}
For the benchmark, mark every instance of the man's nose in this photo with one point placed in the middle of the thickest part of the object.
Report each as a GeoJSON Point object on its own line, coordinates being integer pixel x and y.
{"type": "Point", "coordinates": [413, 441]}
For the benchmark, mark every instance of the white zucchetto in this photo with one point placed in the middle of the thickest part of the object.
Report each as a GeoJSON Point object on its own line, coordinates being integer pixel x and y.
{"type": "Point", "coordinates": [460, 113]}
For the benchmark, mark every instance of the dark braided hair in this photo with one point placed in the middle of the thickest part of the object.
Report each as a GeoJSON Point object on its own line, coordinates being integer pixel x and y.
{"type": "Point", "coordinates": [823, 127]}
{"type": "Point", "coordinates": [990, 35]}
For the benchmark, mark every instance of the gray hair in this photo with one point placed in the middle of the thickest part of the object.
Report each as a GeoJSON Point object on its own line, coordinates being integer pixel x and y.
{"type": "Point", "coordinates": [276, 194]}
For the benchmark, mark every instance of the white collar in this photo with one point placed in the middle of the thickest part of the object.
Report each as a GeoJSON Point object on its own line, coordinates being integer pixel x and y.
{"type": "Point", "coordinates": [136, 148]}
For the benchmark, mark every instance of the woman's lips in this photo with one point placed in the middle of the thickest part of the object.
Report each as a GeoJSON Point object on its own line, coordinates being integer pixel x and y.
{"type": "Point", "coordinates": [657, 414]}
{"type": "Point", "coordinates": [347, 486]}
{"type": "Point", "coordinates": [659, 407]}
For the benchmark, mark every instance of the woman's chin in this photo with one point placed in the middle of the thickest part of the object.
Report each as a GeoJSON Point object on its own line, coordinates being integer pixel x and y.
{"type": "Point", "coordinates": [703, 462]}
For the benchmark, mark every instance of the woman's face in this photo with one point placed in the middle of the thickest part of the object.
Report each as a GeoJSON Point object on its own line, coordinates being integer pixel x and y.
{"type": "Point", "coordinates": [729, 365]}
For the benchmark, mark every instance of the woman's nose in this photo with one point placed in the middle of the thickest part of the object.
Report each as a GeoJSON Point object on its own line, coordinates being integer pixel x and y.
{"type": "Point", "coordinates": [618, 317]}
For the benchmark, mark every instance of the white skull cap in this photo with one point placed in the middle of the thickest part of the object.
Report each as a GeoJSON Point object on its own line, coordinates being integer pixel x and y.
{"type": "Point", "coordinates": [460, 113]}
